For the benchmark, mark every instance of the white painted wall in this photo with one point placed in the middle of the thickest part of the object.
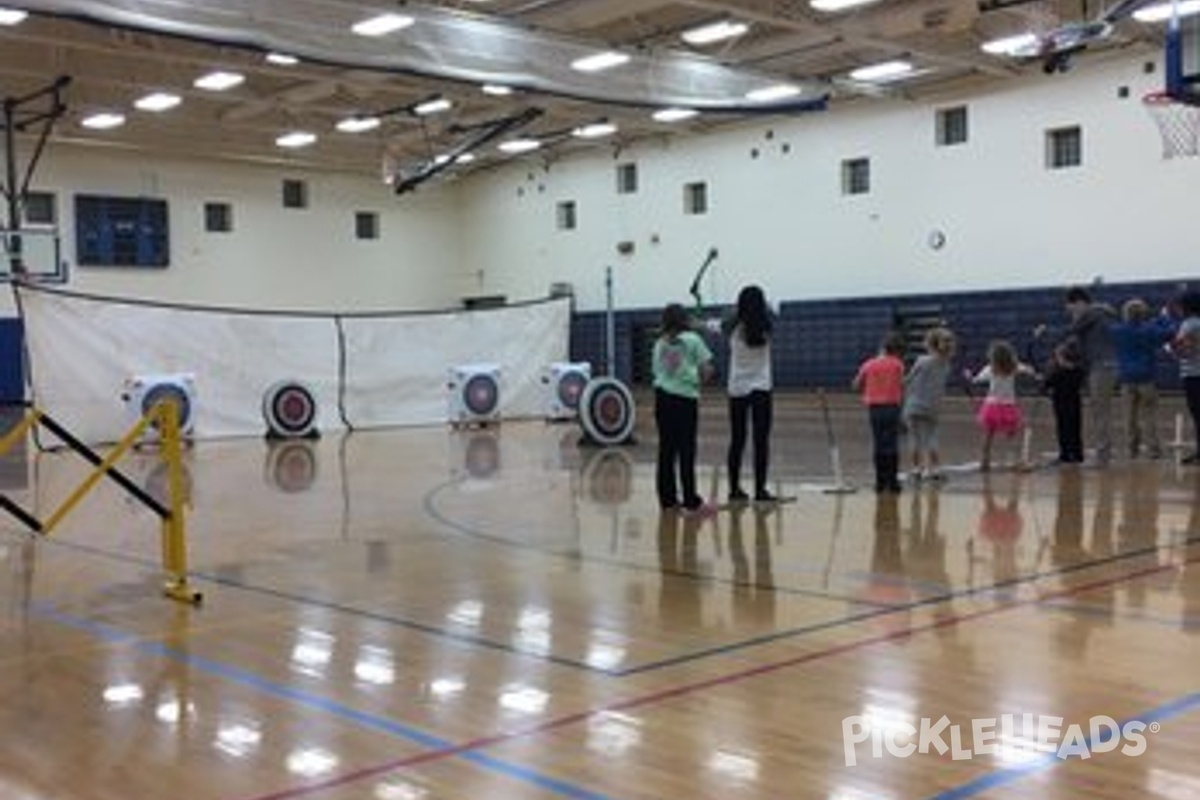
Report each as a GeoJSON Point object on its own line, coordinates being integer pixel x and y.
{"type": "Point", "coordinates": [274, 257]}
{"type": "Point", "coordinates": [781, 220]}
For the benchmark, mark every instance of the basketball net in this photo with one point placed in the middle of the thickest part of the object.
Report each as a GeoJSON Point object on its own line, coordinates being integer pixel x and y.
{"type": "Point", "coordinates": [1178, 124]}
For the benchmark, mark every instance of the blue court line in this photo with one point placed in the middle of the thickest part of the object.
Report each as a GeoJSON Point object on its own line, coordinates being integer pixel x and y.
{"type": "Point", "coordinates": [116, 636]}
{"type": "Point", "coordinates": [425, 628]}
{"type": "Point", "coordinates": [1000, 777]}
{"type": "Point", "coordinates": [1002, 589]}
{"type": "Point", "coordinates": [375, 616]}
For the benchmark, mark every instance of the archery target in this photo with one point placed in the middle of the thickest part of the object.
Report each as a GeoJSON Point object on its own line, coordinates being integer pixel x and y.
{"type": "Point", "coordinates": [289, 409]}
{"type": "Point", "coordinates": [565, 383]}
{"type": "Point", "coordinates": [474, 393]}
{"type": "Point", "coordinates": [606, 411]}
{"type": "Point", "coordinates": [143, 392]}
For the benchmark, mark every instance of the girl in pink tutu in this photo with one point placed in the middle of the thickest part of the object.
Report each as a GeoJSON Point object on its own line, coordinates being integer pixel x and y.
{"type": "Point", "coordinates": [999, 412]}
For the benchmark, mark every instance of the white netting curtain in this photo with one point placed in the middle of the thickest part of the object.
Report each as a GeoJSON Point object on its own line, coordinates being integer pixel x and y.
{"type": "Point", "coordinates": [364, 371]}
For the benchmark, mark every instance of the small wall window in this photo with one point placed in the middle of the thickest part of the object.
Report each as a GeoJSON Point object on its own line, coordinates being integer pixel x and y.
{"type": "Point", "coordinates": [218, 217]}
{"type": "Point", "coordinates": [856, 176]}
{"type": "Point", "coordinates": [295, 193]}
{"type": "Point", "coordinates": [695, 198]}
{"type": "Point", "coordinates": [951, 126]}
{"type": "Point", "coordinates": [1064, 147]}
{"type": "Point", "coordinates": [366, 225]}
{"type": "Point", "coordinates": [565, 215]}
{"type": "Point", "coordinates": [627, 178]}
{"type": "Point", "coordinates": [40, 208]}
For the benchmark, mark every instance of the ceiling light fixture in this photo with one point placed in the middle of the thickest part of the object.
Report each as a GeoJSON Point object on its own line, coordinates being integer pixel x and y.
{"type": "Point", "coordinates": [769, 94]}
{"type": "Point", "coordinates": [885, 71]}
{"type": "Point", "coordinates": [1161, 12]}
{"type": "Point", "coordinates": [219, 81]}
{"type": "Point", "coordinates": [12, 16]}
{"type": "Point", "coordinates": [157, 101]}
{"type": "Point", "coordinates": [674, 114]}
{"type": "Point", "coordinates": [465, 158]}
{"type": "Point", "coordinates": [838, 5]}
{"type": "Point", "coordinates": [282, 59]}
{"type": "Point", "coordinates": [382, 24]}
{"type": "Point", "coordinates": [715, 32]}
{"type": "Point", "coordinates": [519, 145]}
{"type": "Point", "coordinates": [296, 139]}
{"type": "Point", "coordinates": [433, 106]}
{"type": "Point", "coordinates": [358, 124]}
{"type": "Point", "coordinates": [595, 130]}
{"type": "Point", "coordinates": [496, 90]}
{"type": "Point", "coordinates": [103, 120]}
{"type": "Point", "coordinates": [599, 61]}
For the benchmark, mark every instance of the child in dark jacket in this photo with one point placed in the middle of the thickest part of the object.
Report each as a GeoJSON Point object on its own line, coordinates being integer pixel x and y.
{"type": "Point", "coordinates": [1063, 378]}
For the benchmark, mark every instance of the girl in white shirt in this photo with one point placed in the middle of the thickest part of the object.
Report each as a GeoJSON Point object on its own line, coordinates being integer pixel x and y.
{"type": "Point", "coordinates": [1000, 412]}
{"type": "Point", "coordinates": [750, 385]}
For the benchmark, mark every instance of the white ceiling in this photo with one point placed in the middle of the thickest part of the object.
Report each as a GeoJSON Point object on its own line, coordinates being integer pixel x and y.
{"type": "Point", "coordinates": [111, 66]}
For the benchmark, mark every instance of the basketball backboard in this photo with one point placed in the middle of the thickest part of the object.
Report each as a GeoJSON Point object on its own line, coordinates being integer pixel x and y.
{"type": "Point", "coordinates": [39, 252]}
{"type": "Point", "coordinates": [1183, 59]}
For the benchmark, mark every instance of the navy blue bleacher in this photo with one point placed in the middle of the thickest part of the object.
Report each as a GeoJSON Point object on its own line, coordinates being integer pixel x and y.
{"type": "Point", "coordinates": [820, 343]}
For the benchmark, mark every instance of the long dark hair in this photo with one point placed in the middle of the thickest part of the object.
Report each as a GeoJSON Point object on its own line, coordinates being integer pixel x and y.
{"type": "Point", "coordinates": [753, 316]}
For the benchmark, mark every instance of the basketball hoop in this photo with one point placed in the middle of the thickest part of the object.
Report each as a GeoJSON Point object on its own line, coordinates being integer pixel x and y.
{"type": "Point", "coordinates": [1178, 123]}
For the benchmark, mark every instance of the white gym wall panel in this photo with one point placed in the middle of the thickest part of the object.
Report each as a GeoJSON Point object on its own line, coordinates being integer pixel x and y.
{"type": "Point", "coordinates": [275, 257]}
{"type": "Point", "coordinates": [781, 220]}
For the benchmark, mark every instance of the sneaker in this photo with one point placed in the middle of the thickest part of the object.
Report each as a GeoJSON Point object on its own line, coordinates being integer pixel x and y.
{"type": "Point", "coordinates": [763, 496]}
{"type": "Point", "coordinates": [738, 496]}
{"type": "Point", "coordinates": [935, 475]}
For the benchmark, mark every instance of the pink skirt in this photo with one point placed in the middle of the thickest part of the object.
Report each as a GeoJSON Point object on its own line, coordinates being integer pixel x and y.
{"type": "Point", "coordinates": [999, 417]}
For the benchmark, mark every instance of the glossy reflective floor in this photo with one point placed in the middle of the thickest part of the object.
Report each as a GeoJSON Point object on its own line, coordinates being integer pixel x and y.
{"type": "Point", "coordinates": [431, 614]}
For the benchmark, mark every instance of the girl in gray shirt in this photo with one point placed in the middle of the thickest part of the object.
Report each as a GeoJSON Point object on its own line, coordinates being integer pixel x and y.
{"type": "Point", "coordinates": [924, 388]}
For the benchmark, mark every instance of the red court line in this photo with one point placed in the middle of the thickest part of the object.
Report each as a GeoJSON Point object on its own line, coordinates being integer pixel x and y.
{"type": "Point", "coordinates": [709, 683]}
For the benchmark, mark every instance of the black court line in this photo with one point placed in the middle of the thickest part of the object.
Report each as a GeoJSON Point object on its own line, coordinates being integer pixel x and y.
{"type": "Point", "coordinates": [651, 666]}
{"type": "Point", "coordinates": [402, 622]}
{"type": "Point", "coordinates": [399, 622]}
{"type": "Point", "coordinates": [1000, 587]}
{"type": "Point", "coordinates": [476, 533]}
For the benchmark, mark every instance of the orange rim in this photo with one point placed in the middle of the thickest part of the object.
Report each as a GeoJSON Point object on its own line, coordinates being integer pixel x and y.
{"type": "Point", "coordinates": [1158, 99]}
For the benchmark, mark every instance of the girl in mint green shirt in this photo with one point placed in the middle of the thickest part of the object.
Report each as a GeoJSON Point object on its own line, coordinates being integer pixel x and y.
{"type": "Point", "coordinates": [681, 362]}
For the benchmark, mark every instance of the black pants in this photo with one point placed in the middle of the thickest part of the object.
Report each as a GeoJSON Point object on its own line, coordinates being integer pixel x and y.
{"type": "Point", "coordinates": [885, 434]}
{"type": "Point", "coordinates": [677, 419]}
{"type": "Point", "coordinates": [755, 408]}
{"type": "Point", "coordinates": [1068, 420]}
{"type": "Point", "coordinates": [1191, 391]}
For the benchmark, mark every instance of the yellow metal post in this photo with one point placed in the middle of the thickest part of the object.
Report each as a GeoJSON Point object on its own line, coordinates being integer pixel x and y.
{"type": "Point", "coordinates": [174, 543]}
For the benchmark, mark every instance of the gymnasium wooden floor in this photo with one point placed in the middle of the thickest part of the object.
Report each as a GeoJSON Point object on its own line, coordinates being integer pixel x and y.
{"type": "Point", "coordinates": [423, 614]}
